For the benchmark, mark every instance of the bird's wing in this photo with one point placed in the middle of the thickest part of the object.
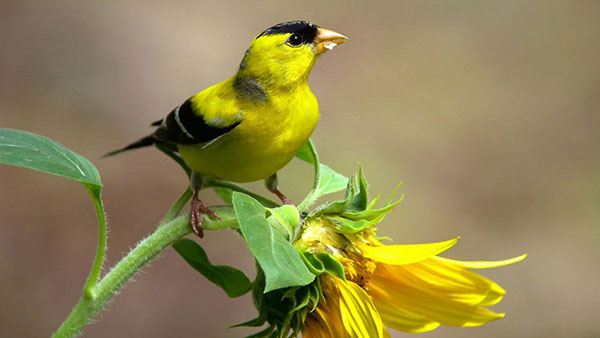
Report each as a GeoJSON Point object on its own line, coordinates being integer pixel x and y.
{"type": "Point", "coordinates": [185, 125]}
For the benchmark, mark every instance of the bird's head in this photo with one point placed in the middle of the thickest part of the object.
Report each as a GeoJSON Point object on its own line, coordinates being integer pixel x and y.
{"type": "Point", "coordinates": [284, 54]}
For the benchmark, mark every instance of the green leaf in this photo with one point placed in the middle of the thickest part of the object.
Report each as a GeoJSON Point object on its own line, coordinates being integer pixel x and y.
{"type": "Point", "coordinates": [330, 181]}
{"type": "Point", "coordinates": [391, 198]}
{"type": "Point", "coordinates": [290, 293]}
{"type": "Point", "coordinates": [332, 265]}
{"type": "Point", "coordinates": [374, 215]}
{"type": "Point", "coordinates": [275, 224]}
{"type": "Point", "coordinates": [326, 180]}
{"type": "Point", "coordinates": [308, 153]}
{"type": "Point", "coordinates": [233, 281]}
{"type": "Point", "coordinates": [280, 261]}
{"type": "Point", "coordinates": [339, 206]}
{"type": "Point", "coordinates": [374, 202]}
{"type": "Point", "coordinates": [350, 226]}
{"type": "Point", "coordinates": [361, 199]}
{"type": "Point", "coordinates": [287, 216]}
{"type": "Point", "coordinates": [304, 298]}
{"type": "Point", "coordinates": [314, 294]}
{"type": "Point", "coordinates": [313, 263]}
{"type": "Point", "coordinates": [27, 150]}
{"type": "Point", "coordinates": [322, 262]}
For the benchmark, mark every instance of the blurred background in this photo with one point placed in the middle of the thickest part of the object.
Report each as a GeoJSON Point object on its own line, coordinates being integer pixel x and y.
{"type": "Point", "coordinates": [487, 111]}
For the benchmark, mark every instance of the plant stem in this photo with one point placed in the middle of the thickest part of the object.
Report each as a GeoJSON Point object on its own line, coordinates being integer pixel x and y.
{"type": "Point", "coordinates": [90, 285]}
{"type": "Point", "coordinates": [312, 195]}
{"type": "Point", "coordinates": [177, 206]}
{"type": "Point", "coordinates": [145, 251]}
{"type": "Point", "coordinates": [211, 183]}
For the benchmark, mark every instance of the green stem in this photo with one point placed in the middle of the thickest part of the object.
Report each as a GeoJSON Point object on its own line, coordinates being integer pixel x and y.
{"type": "Point", "coordinates": [144, 252]}
{"type": "Point", "coordinates": [90, 284]}
{"type": "Point", "coordinates": [312, 194]}
{"type": "Point", "coordinates": [309, 200]}
{"type": "Point", "coordinates": [211, 183]}
{"type": "Point", "coordinates": [177, 206]}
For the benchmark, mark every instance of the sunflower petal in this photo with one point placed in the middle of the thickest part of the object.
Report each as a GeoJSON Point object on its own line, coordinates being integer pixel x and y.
{"type": "Point", "coordinates": [359, 316]}
{"type": "Point", "coordinates": [325, 321]}
{"type": "Point", "coordinates": [445, 304]}
{"type": "Point", "coordinates": [396, 317]}
{"type": "Point", "coordinates": [483, 264]}
{"type": "Point", "coordinates": [453, 281]}
{"type": "Point", "coordinates": [405, 254]}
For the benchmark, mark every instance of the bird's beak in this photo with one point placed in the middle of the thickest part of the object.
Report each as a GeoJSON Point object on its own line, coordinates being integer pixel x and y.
{"type": "Point", "coordinates": [327, 39]}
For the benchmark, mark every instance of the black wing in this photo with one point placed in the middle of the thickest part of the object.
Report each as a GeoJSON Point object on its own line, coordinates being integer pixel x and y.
{"type": "Point", "coordinates": [183, 126]}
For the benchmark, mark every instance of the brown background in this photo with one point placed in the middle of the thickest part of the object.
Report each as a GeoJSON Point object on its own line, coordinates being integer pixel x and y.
{"type": "Point", "coordinates": [488, 111]}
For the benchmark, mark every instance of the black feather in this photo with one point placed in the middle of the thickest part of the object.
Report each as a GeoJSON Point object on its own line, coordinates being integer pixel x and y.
{"type": "Point", "coordinates": [143, 142]}
{"type": "Point", "coordinates": [184, 126]}
{"type": "Point", "coordinates": [307, 30]}
{"type": "Point", "coordinates": [170, 132]}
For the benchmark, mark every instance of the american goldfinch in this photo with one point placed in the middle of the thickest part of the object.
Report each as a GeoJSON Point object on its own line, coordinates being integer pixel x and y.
{"type": "Point", "coordinates": [250, 126]}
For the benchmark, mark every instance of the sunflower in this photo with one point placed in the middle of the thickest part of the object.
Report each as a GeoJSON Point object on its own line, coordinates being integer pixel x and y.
{"type": "Point", "coordinates": [404, 287]}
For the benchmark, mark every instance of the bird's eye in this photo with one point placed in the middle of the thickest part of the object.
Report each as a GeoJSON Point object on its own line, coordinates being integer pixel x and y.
{"type": "Point", "coordinates": [294, 40]}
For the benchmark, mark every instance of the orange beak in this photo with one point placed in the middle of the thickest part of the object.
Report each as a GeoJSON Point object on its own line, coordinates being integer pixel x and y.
{"type": "Point", "coordinates": [327, 39]}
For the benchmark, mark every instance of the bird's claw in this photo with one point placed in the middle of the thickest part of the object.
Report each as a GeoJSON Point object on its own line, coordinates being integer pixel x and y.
{"type": "Point", "coordinates": [196, 216]}
{"type": "Point", "coordinates": [196, 222]}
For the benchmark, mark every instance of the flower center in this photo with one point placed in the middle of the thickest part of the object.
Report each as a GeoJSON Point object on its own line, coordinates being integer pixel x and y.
{"type": "Point", "coordinates": [321, 235]}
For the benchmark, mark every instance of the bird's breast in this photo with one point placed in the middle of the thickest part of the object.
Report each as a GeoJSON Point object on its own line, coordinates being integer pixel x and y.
{"type": "Point", "coordinates": [268, 137]}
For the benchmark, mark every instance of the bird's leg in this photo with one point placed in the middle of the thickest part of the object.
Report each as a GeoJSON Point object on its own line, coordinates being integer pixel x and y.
{"type": "Point", "coordinates": [272, 184]}
{"type": "Point", "coordinates": [198, 208]}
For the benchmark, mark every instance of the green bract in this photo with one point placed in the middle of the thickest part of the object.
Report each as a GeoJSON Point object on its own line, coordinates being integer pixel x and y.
{"type": "Point", "coordinates": [279, 260]}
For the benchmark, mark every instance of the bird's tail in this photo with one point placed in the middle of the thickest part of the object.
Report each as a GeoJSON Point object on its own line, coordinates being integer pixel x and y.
{"type": "Point", "coordinates": [143, 142]}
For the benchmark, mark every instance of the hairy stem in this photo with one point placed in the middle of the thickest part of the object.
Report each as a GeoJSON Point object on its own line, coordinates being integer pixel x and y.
{"type": "Point", "coordinates": [144, 252]}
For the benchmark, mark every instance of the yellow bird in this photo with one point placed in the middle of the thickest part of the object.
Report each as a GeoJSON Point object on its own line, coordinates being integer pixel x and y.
{"type": "Point", "coordinates": [250, 126]}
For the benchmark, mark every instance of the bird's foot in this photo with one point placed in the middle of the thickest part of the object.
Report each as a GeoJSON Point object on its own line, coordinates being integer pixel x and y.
{"type": "Point", "coordinates": [198, 208]}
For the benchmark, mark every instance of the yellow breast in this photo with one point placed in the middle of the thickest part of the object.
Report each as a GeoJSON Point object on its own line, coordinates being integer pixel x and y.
{"type": "Point", "coordinates": [270, 133]}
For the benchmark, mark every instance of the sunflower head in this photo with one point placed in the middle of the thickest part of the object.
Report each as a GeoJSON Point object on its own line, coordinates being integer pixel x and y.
{"type": "Point", "coordinates": [404, 287]}
{"type": "Point", "coordinates": [362, 287]}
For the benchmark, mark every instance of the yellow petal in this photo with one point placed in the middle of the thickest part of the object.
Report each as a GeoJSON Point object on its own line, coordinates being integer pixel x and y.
{"type": "Point", "coordinates": [326, 320]}
{"type": "Point", "coordinates": [453, 282]}
{"type": "Point", "coordinates": [430, 297]}
{"type": "Point", "coordinates": [405, 254]}
{"type": "Point", "coordinates": [483, 264]}
{"type": "Point", "coordinates": [359, 316]}
{"type": "Point", "coordinates": [397, 318]}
